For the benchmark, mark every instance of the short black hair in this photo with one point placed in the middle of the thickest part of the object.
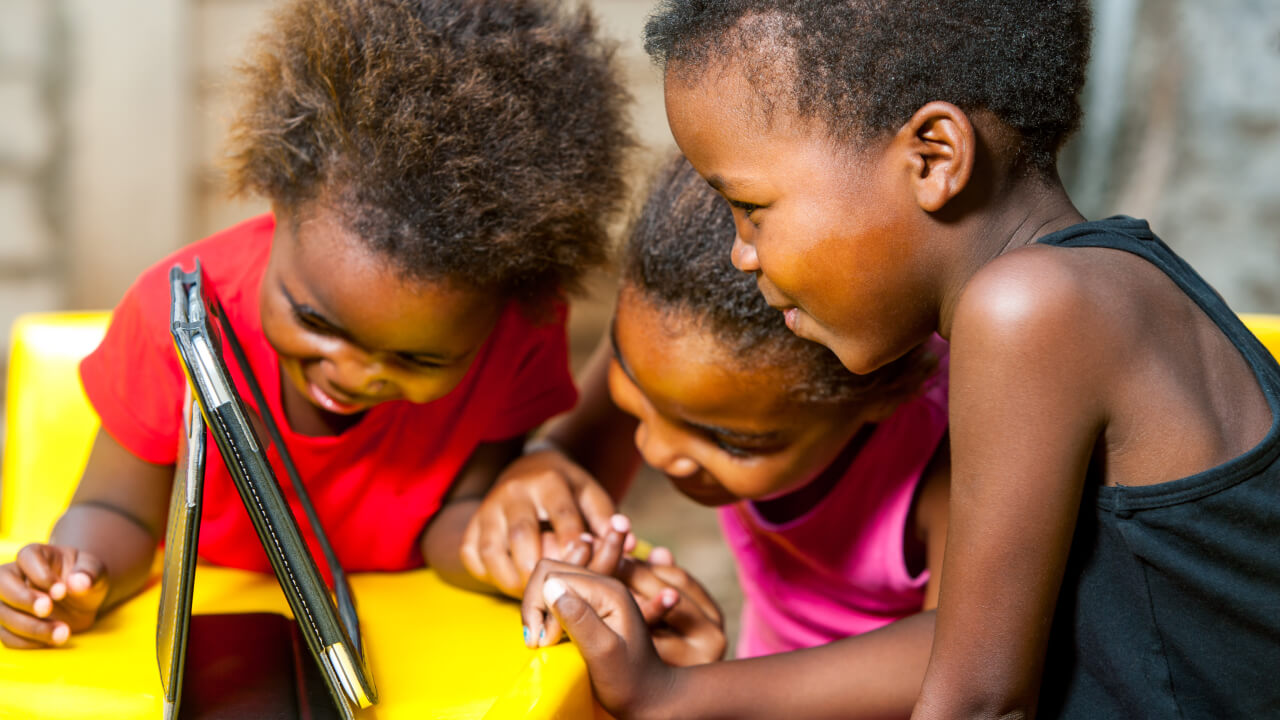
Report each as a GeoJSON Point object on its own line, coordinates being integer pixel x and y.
{"type": "Point", "coordinates": [863, 67]}
{"type": "Point", "coordinates": [677, 259]}
{"type": "Point", "coordinates": [479, 141]}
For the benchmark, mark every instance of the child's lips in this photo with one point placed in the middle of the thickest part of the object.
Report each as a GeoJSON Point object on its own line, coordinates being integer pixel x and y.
{"type": "Point", "coordinates": [790, 316]}
{"type": "Point", "coordinates": [331, 403]}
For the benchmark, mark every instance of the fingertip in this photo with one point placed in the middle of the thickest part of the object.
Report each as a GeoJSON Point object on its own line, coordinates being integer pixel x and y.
{"type": "Point", "coordinates": [42, 606]}
{"type": "Point", "coordinates": [620, 523]}
{"type": "Point", "coordinates": [661, 556]}
{"type": "Point", "coordinates": [58, 590]}
{"type": "Point", "coordinates": [61, 633]}
{"type": "Point", "coordinates": [79, 582]}
{"type": "Point", "coordinates": [669, 597]}
{"type": "Point", "coordinates": [630, 543]}
{"type": "Point", "coordinates": [527, 636]}
{"type": "Point", "coordinates": [552, 590]}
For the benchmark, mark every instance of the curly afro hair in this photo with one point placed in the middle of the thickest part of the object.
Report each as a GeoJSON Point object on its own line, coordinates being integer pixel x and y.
{"type": "Point", "coordinates": [477, 141]}
{"type": "Point", "coordinates": [677, 259]}
{"type": "Point", "coordinates": [863, 67]}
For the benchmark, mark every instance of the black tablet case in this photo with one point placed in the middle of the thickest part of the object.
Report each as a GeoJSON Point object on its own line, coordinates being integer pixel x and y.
{"type": "Point", "coordinates": [217, 662]}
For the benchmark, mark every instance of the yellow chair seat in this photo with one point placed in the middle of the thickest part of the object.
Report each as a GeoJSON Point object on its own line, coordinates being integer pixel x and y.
{"type": "Point", "coordinates": [435, 652]}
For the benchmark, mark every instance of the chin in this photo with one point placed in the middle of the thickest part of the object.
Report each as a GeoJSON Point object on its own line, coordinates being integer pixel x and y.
{"type": "Point", "coordinates": [858, 363]}
{"type": "Point", "coordinates": [706, 497]}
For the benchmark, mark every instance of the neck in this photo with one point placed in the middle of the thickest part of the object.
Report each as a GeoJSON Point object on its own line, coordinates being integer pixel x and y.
{"type": "Point", "coordinates": [1030, 208]}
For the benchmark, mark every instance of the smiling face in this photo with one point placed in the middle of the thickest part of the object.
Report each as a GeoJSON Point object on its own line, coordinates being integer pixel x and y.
{"type": "Point", "coordinates": [351, 332]}
{"type": "Point", "coordinates": [719, 429]}
{"type": "Point", "coordinates": [833, 234]}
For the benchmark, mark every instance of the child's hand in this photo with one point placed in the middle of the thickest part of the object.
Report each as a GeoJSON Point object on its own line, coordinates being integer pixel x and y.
{"type": "Point", "coordinates": [687, 625]}
{"type": "Point", "coordinates": [47, 593]}
{"type": "Point", "coordinates": [504, 540]}
{"type": "Point", "coordinates": [602, 619]}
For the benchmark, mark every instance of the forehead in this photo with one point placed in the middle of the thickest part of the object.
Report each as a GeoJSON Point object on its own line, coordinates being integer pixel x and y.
{"type": "Point", "coordinates": [332, 270]}
{"type": "Point", "coordinates": [686, 372]}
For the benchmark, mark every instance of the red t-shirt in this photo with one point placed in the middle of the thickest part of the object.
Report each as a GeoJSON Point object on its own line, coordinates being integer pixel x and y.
{"type": "Point", "coordinates": [377, 484]}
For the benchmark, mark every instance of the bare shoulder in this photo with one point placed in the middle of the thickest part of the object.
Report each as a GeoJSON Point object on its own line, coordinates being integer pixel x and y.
{"type": "Point", "coordinates": [1040, 308]}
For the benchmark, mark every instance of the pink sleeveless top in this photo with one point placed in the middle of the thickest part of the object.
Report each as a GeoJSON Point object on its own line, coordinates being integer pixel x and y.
{"type": "Point", "coordinates": [838, 570]}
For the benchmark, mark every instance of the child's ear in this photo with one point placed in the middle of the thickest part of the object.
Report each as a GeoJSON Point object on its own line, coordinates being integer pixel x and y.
{"type": "Point", "coordinates": [940, 143]}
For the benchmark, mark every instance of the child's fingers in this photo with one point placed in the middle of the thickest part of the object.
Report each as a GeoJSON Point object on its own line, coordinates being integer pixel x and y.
{"type": "Point", "coordinates": [690, 588]}
{"type": "Point", "coordinates": [593, 637]}
{"type": "Point", "coordinates": [16, 642]}
{"type": "Point", "coordinates": [605, 558]}
{"type": "Point", "coordinates": [469, 551]}
{"type": "Point", "coordinates": [524, 535]}
{"type": "Point", "coordinates": [534, 614]}
{"type": "Point", "coordinates": [554, 499]}
{"type": "Point", "coordinates": [594, 502]}
{"type": "Point", "coordinates": [32, 629]}
{"type": "Point", "coordinates": [578, 552]}
{"type": "Point", "coordinates": [87, 574]}
{"type": "Point", "coordinates": [661, 556]}
{"type": "Point", "coordinates": [654, 609]}
{"type": "Point", "coordinates": [15, 593]}
{"type": "Point", "coordinates": [495, 556]}
{"type": "Point", "coordinates": [38, 563]}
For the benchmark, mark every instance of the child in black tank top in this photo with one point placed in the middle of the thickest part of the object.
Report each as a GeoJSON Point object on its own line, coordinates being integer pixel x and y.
{"type": "Point", "coordinates": [1112, 550]}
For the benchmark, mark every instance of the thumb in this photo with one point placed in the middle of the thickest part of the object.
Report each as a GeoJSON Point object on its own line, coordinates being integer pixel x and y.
{"type": "Point", "coordinates": [584, 625]}
{"type": "Point", "coordinates": [85, 573]}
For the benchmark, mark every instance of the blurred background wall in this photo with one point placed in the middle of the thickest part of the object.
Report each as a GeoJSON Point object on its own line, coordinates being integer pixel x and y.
{"type": "Point", "coordinates": [112, 114]}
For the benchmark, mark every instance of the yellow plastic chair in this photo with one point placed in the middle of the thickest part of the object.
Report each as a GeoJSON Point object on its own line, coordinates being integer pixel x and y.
{"type": "Point", "coordinates": [49, 424]}
{"type": "Point", "coordinates": [435, 651]}
{"type": "Point", "coordinates": [1266, 328]}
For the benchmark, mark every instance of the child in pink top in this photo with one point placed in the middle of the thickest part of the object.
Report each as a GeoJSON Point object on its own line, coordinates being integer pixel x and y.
{"type": "Point", "coordinates": [839, 569]}
{"type": "Point", "coordinates": [832, 486]}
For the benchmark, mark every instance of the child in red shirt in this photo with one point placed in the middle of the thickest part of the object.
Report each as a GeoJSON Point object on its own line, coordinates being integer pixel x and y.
{"type": "Point", "coordinates": [439, 174]}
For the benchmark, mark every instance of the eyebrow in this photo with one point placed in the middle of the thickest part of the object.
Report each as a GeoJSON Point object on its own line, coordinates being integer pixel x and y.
{"type": "Point", "coordinates": [712, 429]}
{"type": "Point", "coordinates": [339, 330]}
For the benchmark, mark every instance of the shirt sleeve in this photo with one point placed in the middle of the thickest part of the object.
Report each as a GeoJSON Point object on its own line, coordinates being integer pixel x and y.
{"type": "Point", "coordinates": [541, 384]}
{"type": "Point", "coordinates": [133, 379]}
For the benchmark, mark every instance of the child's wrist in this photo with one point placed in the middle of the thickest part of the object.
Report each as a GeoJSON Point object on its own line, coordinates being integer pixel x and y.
{"type": "Point", "coordinates": [666, 698]}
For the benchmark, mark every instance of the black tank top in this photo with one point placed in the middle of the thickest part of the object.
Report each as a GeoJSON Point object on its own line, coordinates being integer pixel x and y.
{"type": "Point", "coordinates": [1170, 607]}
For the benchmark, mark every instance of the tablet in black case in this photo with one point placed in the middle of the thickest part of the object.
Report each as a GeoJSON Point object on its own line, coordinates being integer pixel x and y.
{"type": "Point", "coordinates": [328, 631]}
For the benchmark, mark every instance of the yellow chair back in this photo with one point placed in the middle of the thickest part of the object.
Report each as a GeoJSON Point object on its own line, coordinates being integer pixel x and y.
{"type": "Point", "coordinates": [49, 424]}
{"type": "Point", "coordinates": [1266, 328]}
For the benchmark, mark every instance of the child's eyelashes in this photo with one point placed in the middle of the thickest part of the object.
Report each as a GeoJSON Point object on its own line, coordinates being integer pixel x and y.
{"type": "Point", "coordinates": [737, 451]}
{"type": "Point", "coordinates": [312, 321]}
{"type": "Point", "coordinates": [746, 207]}
{"type": "Point", "coordinates": [421, 362]}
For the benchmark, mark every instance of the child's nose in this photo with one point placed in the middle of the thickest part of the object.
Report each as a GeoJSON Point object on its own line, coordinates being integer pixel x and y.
{"type": "Point", "coordinates": [743, 255]}
{"type": "Point", "coordinates": [661, 454]}
{"type": "Point", "coordinates": [363, 373]}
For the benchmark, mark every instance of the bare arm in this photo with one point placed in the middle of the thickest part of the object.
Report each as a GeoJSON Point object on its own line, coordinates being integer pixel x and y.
{"type": "Point", "coordinates": [931, 516]}
{"type": "Point", "coordinates": [442, 539]}
{"type": "Point", "coordinates": [118, 514]}
{"type": "Point", "coordinates": [873, 675]}
{"type": "Point", "coordinates": [99, 554]}
{"type": "Point", "coordinates": [1025, 413]}
{"type": "Point", "coordinates": [596, 434]}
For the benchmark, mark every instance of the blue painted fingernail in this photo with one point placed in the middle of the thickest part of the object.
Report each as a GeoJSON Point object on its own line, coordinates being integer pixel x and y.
{"type": "Point", "coordinates": [526, 633]}
{"type": "Point", "coordinates": [542, 636]}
